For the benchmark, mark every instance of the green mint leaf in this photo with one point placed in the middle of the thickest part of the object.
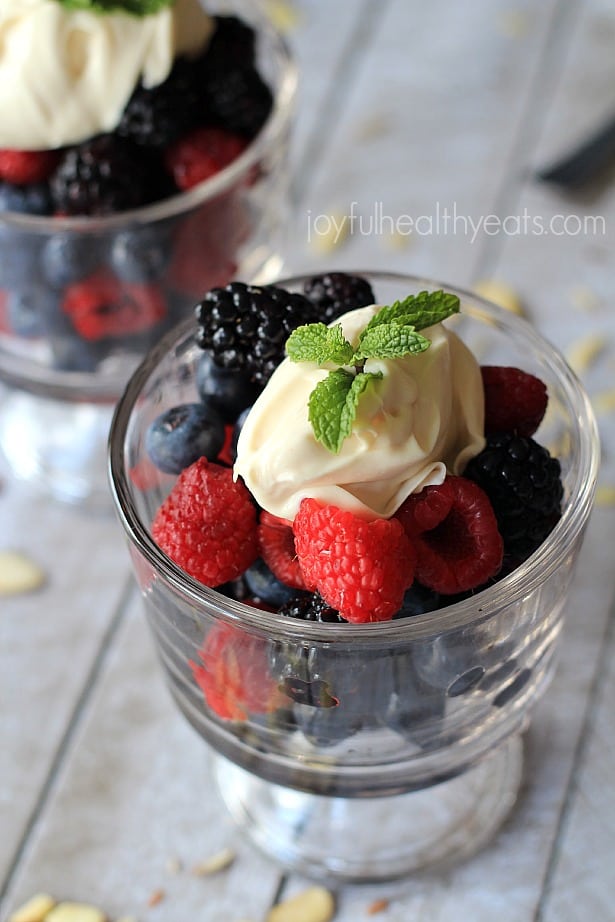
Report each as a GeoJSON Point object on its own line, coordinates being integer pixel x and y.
{"type": "Point", "coordinates": [420, 311]}
{"type": "Point", "coordinates": [333, 406]}
{"type": "Point", "coordinates": [391, 341]}
{"type": "Point", "coordinates": [132, 7]}
{"type": "Point", "coordinates": [316, 342]}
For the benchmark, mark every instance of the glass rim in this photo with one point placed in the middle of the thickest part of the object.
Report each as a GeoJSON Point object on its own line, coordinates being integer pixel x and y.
{"type": "Point", "coordinates": [521, 581]}
{"type": "Point", "coordinates": [283, 96]}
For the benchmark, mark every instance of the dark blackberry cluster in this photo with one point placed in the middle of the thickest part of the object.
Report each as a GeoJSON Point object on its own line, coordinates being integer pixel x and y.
{"type": "Point", "coordinates": [101, 177]}
{"type": "Point", "coordinates": [155, 117]}
{"type": "Point", "coordinates": [245, 327]}
{"type": "Point", "coordinates": [524, 485]}
{"type": "Point", "coordinates": [338, 292]}
{"type": "Point", "coordinates": [311, 608]}
{"type": "Point", "coordinates": [237, 100]}
{"type": "Point", "coordinates": [233, 44]}
{"type": "Point", "coordinates": [234, 95]}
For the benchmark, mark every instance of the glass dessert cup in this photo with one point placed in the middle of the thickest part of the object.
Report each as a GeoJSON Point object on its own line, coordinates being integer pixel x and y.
{"type": "Point", "coordinates": [375, 750]}
{"type": "Point", "coordinates": [65, 357]}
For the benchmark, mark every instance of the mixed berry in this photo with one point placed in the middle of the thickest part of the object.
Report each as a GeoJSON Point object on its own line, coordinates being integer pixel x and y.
{"type": "Point", "coordinates": [105, 290]}
{"type": "Point", "coordinates": [330, 565]}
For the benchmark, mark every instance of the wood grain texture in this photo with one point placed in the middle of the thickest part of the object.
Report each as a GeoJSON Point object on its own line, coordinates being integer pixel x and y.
{"type": "Point", "coordinates": [105, 793]}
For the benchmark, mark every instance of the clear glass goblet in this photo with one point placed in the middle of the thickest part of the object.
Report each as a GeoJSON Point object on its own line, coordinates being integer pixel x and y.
{"type": "Point", "coordinates": [65, 355]}
{"type": "Point", "coordinates": [367, 751]}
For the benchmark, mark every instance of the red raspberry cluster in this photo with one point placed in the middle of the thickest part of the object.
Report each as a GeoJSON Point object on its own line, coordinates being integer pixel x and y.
{"type": "Point", "coordinates": [445, 537]}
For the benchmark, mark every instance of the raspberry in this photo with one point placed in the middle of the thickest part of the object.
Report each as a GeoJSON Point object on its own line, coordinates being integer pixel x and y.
{"type": "Point", "coordinates": [524, 485]}
{"type": "Point", "coordinates": [455, 533]}
{"type": "Point", "coordinates": [245, 327]}
{"type": "Point", "coordinates": [234, 674]}
{"type": "Point", "coordinates": [337, 292]}
{"type": "Point", "coordinates": [201, 154]}
{"type": "Point", "coordinates": [23, 167]}
{"type": "Point", "coordinates": [515, 401]}
{"type": "Point", "coordinates": [361, 568]}
{"type": "Point", "coordinates": [277, 547]}
{"type": "Point", "coordinates": [101, 306]}
{"type": "Point", "coordinates": [207, 524]}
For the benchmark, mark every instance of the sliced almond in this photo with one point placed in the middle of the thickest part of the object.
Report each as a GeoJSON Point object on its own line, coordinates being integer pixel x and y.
{"type": "Point", "coordinates": [283, 15]}
{"type": "Point", "coordinates": [218, 862]}
{"type": "Point", "coordinates": [75, 912]}
{"type": "Point", "coordinates": [35, 910]}
{"type": "Point", "coordinates": [584, 353]}
{"type": "Point", "coordinates": [501, 294]}
{"type": "Point", "coordinates": [329, 231]}
{"type": "Point", "coordinates": [174, 865]}
{"type": "Point", "coordinates": [312, 905]}
{"type": "Point", "coordinates": [605, 495]}
{"type": "Point", "coordinates": [604, 402]}
{"type": "Point", "coordinates": [18, 573]}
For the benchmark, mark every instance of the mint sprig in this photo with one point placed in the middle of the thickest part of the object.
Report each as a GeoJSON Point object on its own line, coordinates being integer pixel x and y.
{"type": "Point", "coordinates": [132, 7]}
{"type": "Point", "coordinates": [392, 333]}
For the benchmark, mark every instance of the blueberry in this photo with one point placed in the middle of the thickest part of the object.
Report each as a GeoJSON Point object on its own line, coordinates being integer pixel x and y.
{"type": "Point", "coordinates": [230, 391]}
{"type": "Point", "coordinates": [237, 430]}
{"type": "Point", "coordinates": [326, 726]}
{"type": "Point", "coordinates": [331, 701]}
{"type": "Point", "coordinates": [140, 254]}
{"type": "Point", "coordinates": [457, 662]}
{"type": "Point", "coordinates": [19, 258]}
{"type": "Point", "coordinates": [71, 353]}
{"type": "Point", "coordinates": [418, 600]}
{"type": "Point", "coordinates": [263, 585]}
{"type": "Point", "coordinates": [32, 199]}
{"type": "Point", "coordinates": [67, 258]}
{"type": "Point", "coordinates": [414, 702]}
{"type": "Point", "coordinates": [181, 435]}
{"type": "Point", "coordinates": [30, 309]}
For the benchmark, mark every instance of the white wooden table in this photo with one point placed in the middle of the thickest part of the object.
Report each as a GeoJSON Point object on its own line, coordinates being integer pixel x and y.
{"type": "Point", "coordinates": [406, 109]}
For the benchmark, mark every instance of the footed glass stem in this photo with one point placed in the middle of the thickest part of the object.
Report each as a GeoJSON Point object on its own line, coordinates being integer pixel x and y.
{"type": "Point", "coordinates": [374, 839]}
{"type": "Point", "coordinates": [57, 446]}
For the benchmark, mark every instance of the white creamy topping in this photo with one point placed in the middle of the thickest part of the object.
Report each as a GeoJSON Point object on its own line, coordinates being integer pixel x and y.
{"type": "Point", "coordinates": [426, 415]}
{"type": "Point", "coordinates": [66, 75]}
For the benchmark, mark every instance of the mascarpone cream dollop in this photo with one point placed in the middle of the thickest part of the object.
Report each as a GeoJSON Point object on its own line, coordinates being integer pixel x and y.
{"type": "Point", "coordinates": [426, 415]}
{"type": "Point", "coordinates": [66, 75]}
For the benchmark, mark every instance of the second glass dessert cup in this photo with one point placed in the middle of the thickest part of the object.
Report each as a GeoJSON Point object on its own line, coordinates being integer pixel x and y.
{"type": "Point", "coordinates": [82, 299]}
{"type": "Point", "coordinates": [365, 752]}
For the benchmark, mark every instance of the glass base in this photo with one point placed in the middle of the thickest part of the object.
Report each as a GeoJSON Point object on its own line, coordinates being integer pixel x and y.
{"type": "Point", "coordinates": [58, 447]}
{"type": "Point", "coordinates": [380, 838]}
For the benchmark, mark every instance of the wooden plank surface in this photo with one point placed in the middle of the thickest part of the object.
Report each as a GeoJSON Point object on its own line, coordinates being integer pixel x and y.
{"type": "Point", "coordinates": [103, 789]}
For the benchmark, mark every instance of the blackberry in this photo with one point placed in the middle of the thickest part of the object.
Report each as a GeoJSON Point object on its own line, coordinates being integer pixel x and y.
{"type": "Point", "coordinates": [232, 43]}
{"type": "Point", "coordinates": [157, 116]}
{"type": "Point", "coordinates": [524, 485]}
{"type": "Point", "coordinates": [245, 327]}
{"type": "Point", "coordinates": [311, 608]}
{"type": "Point", "coordinates": [101, 176]}
{"type": "Point", "coordinates": [337, 292]}
{"type": "Point", "coordinates": [237, 99]}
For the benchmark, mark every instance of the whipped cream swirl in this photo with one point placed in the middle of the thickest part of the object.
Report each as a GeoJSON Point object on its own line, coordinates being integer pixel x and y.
{"type": "Point", "coordinates": [66, 75]}
{"type": "Point", "coordinates": [424, 417]}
